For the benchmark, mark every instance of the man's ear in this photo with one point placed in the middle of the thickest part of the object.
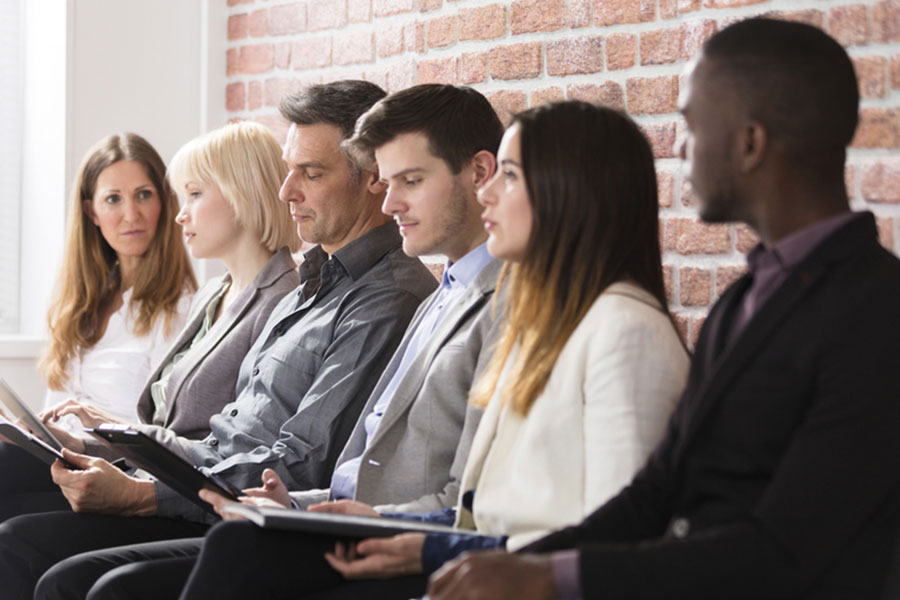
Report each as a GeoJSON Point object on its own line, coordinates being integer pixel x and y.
{"type": "Point", "coordinates": [753, 142]}
{"type": "Point", "coordinates": [373, 184]}
{"type": "Point", "coordinates": [484, 165]}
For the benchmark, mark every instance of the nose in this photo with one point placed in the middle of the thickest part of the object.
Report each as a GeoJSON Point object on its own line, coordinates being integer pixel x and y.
{"type": "Point", "coordinates": [289, 191]}
{"type": "Point", "coordinates": [393, 203]}
{"type": "Point", "coordinates": [182, 216]}
{"type": "Point", "coordinates": [485, 194]}
{"type": "Point", "coordinates": [130, 210]}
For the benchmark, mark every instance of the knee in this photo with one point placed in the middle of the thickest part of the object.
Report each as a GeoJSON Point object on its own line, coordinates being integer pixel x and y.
{"type": "Point", "coordinates": [112, 586]}
{"type": "Point", "coordinates": [60, 582]}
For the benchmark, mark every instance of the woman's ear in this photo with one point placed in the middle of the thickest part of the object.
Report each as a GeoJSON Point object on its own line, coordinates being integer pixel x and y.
{"type": "Point", "coordinates": [484, 165]}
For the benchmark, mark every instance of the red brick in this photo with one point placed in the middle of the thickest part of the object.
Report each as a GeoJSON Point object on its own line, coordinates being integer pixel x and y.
{"type": "Point", "coordinates": [849, 180]}
{"type": "Point", "coordinates": [277, 124]}
{"type": "Point", "coordinates": [518, 61]}
{"type": "Point", "coordinates": [575, 56]}
{"type": "Point", "coordinates": [420, 38]}
{"type": "Point", "coordinates": [661, 46]}
{"type": "Point", "coordinates": [384, 8]}
{"type": "Point", "coordinates": [276, 89]}
{"type": "Point", "coordinates": [354, 48]}
{"type": "Point", "coordinates": [286, 19]}
{"type": "Point", "coordinates": [614, 12]}
{"type": "Point", "coordinates": [682, 323]}
{"type": "Point", "coordinates": [886, 232]}
{"type": "Point", "coordinates": [327, 14]}
{"type": "Point", "coordinates": [652, 95]}
{"type": "Point", "coordinates": [238, 26]}
{"type": "Point", "coordinates": [665, 187]}
{"type": "Point", "coordinates": [236, 2]}
{"type": "Point", "coordinates": [429, 5]}
{"type": "Point", "coordinates": [235, 96]}
{"type": "Point", "coordinates": [256, 59]}
{"type": "Point", "coordinates": [661, 138]}
{"type": "Point", "coordinates": [687, 236]}
{"type": "Point", "coordinates": [377, 76]}
{"type": "Point", "coordinates": [687, 193]}
{"type": "Point", "coordinates": [579, 13]}
{"type": "Point", "coordinates": [608, 93]}
{"type": "Point", "coordinates": [283, 55]}
{"type": "Point", "coordinates": [441, 31]}
{"type": "Point", "coordinates": [231, 62]}
{"type": "Point", "coordinates": [259, 23]}
{"type": "Point", "coordinates": [389, 40]}
{"type": "Point", "coordinates": [409, 36]}
{"type": "Point", "coordinates": [311, 52]}
{"type": "Point", "coordinates": [745, 238]}
{"type": "Point", "coordinates": [808, 16]}
{"type": "Point", "coordinates": [473, 67]}
{"type": "Point", "coordinates": [726, 275]}
{"type": "Point", "coordinates": [507, 103]}
{"type": "Point", "coordinates": [668, 9]}
{"type": "Point", "coordinates": [621, 51]}
{"type": "Point", "coordinates": [878, 128]}
{"type": "Point", "coordinates": [438, 70]}
{"type": "Point", "coordinates": [849, 25]}
{"type": "Point", "coordinates": [528, 16]}
{"type": "Point", "coordinates": [881, 181]}
{"type": "Point", "coordinates": [546, 95]}
{"type": "Point", "coordinates": [685, 6]}
{"type": "Point", "coordinates": [402, 75]}
{"type": "Point", "coordinates": [895, 72]}
{"type": "Point", "coordinates": [483, 23]}
{"type": "Point", "coordinates": [696, 286]}
{"type": "Point", "coordinates": [693, 35]}
{"type": "Point", "coordinates": [870, 73]}
{"type": "Point", "coordinates": [886, 21]}
{"type": "Point", "coordinates": [668, 276]}
{"type": "Point", "coordinates": [359, 11]}
{"type": "Point", "coordinates": [254, 95]}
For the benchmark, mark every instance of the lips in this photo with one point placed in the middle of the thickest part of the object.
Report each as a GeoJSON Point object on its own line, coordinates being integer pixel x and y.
{"type": "Point", "coordinates": [133, 232]}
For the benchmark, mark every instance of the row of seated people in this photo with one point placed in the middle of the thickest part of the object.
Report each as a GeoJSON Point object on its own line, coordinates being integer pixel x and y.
{"type": "Point", "coordinates": [540, 399]}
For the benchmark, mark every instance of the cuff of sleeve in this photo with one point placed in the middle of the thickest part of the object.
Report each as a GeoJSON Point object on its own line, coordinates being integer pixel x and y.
{"type": "Point", "coordinates": [566, 574]}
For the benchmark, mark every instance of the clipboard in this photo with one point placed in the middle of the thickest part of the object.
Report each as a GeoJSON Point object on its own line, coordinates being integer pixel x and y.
{"type": "Point", "coordinates": [345, 526]}
{"type": "Point", "coordinates": [10, 399]}
{"type": "Point", "coordinates": [144, 452]}
{"type": "Point", "coordinates": [31, 444]}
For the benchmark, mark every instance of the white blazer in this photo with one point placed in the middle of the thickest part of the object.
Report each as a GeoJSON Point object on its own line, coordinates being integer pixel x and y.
{"type": "Point", "coordinates": [602, 412]}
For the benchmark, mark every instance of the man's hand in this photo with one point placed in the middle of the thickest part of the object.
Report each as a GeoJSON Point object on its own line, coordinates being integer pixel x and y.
{"type": "Point", "coordinates": [379, 558]}
{"type": "Point", "coordinates": [99, 487]}
{"type": "Point", "coordinates": [345, 507]}
{"type": "Point", "coordinates": [272, 493]}
{"type": "Point", "coordinates": [90, 416]}
{"type": "Point", "coordinates": [494, 574]}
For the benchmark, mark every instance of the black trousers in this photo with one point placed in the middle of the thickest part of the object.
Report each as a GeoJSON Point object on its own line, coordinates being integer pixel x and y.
{"type": "Point", "coordinates": [25, 484]}
{"type": "Point", "coordinates": [31, 544]}
{"type": "Point", "coordinates": [240, 560]}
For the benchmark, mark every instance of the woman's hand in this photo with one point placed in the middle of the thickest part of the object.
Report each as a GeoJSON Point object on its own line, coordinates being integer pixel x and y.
{"type": "Point", "coordinates": [90, 416]}
{"type": "Point", "coordinates": [273, 493]}
{"type": "Point", "coordinates": [379, 558]}
{"type": "Point", "coordinates": [345, 507]}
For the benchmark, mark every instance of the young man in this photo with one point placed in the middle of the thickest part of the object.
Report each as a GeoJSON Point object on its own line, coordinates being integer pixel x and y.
{"type": "Point", "coordinates": [303, 382]}
{"type": "Point", "coordinates": [435, 146]}
{"type": "Point", "coordinates": [779, 476]}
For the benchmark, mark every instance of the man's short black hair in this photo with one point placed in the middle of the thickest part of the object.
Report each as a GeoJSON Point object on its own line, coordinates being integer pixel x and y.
{"type": "Point", "coordinates": [458, 122]}
{"type": "Point", "coordinates": [794, 79]}
{"type": "Point", "coordinates": [339, 103]}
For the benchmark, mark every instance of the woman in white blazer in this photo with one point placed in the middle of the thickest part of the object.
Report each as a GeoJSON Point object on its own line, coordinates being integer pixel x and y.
{"type": "Point", "coordinates": [589, 365]}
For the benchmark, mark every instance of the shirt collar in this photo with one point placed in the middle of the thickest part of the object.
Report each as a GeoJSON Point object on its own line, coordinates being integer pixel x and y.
{"type": "Point", "coordinates": [357, 257]}
{"type": "Point", "coordinates": [466, 269]}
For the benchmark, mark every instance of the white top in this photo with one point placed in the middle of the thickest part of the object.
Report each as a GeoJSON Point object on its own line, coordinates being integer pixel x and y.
{"type": "Point", "coordinates": [602, 412]}
{"type": "Point", "coordinates": [112, 373]}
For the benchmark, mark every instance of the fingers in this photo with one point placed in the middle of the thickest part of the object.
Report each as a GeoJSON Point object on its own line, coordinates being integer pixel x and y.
{"type": "Point", "coordinates": [218, 502]}
{"type": "Point", "coordinates": [79, 460]}
{"type": "Point", "coordinates": [270, 479]}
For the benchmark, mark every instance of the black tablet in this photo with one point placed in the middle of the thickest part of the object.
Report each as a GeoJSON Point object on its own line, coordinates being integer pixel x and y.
{"type": "Point", "coordinates": [346, 526]}
{"type": "Point", "coordinates": [146, 453]}
{"type": "Point", "coordinates": [31, 444]}
{"type": "Point", "coordinates": [26, 416]}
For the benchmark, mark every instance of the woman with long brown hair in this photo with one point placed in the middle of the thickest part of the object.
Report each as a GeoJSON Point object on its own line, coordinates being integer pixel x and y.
{"type": "Point", "coordinates": [125, 282]}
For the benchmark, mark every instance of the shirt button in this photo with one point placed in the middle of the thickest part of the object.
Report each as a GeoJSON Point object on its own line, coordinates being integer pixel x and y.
{"type": "Point", "coordinates": [214, 442]}
{"type": "Point", "coordinates": [256, 371]}
{"type": "Point", "coordinates": [680, 527]}
{"type": "Point", "coordinates": [233, 412]}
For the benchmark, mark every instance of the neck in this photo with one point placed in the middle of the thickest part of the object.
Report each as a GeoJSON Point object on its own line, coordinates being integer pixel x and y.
{"type": "Point", "coordinates": [368, 220]}
{"type": "Point", "coordinates": [244, 261]}
{"type": "Point", "coordinates": [128, 270]}
{"type": "Point", "coordinates": [466, 245]}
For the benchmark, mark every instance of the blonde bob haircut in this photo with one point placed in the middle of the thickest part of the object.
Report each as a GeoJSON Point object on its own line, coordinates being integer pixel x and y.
{"type": "Point", "coordinates": [244, 161]}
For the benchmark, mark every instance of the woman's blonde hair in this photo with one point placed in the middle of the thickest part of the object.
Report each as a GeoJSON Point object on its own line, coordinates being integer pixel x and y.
{"type": "Point", "coordinates": [89, 277]}
{"type": "Point", "coordinates": [592, 189]}
{"type": "Point", "coordinates": [244, 161]}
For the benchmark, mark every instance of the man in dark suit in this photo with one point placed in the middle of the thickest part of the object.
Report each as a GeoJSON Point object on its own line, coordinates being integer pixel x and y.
{"type": "Point", "coordinates": [779, 476]}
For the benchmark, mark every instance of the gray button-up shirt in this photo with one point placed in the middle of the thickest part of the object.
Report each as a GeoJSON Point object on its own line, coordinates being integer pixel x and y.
{"type": "Point", "coordinates": [305, 380]}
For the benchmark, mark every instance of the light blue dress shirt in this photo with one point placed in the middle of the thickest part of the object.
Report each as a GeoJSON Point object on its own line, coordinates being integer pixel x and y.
{"type": "Point", "coordinates": [457, 277]}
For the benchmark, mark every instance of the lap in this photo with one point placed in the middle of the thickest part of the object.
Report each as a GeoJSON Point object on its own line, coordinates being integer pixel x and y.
{"type": "Point", "coordinates": [25, 484]}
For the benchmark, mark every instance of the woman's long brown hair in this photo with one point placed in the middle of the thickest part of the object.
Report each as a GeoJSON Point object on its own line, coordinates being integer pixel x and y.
{"type": "Point", "coordinates": [591, 183]}
{"type": "Point", "coordinates": [89, 276]}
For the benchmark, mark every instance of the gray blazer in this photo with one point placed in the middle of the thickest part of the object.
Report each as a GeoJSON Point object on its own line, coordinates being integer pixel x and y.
{"type": "Point", "coordinates": [204, 379]}
{"type": "Point", "coordinates": [416, 458]}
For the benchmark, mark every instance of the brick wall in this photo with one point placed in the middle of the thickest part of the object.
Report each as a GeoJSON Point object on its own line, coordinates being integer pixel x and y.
{"type": "Point", "coordinates": [627, 53]}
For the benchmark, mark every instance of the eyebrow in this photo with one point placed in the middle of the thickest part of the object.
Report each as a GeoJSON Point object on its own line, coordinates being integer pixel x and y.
{"type": "Point", "coordinates": [509, 161]}
{"type": "Point", "coordinates": [407, 172]}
